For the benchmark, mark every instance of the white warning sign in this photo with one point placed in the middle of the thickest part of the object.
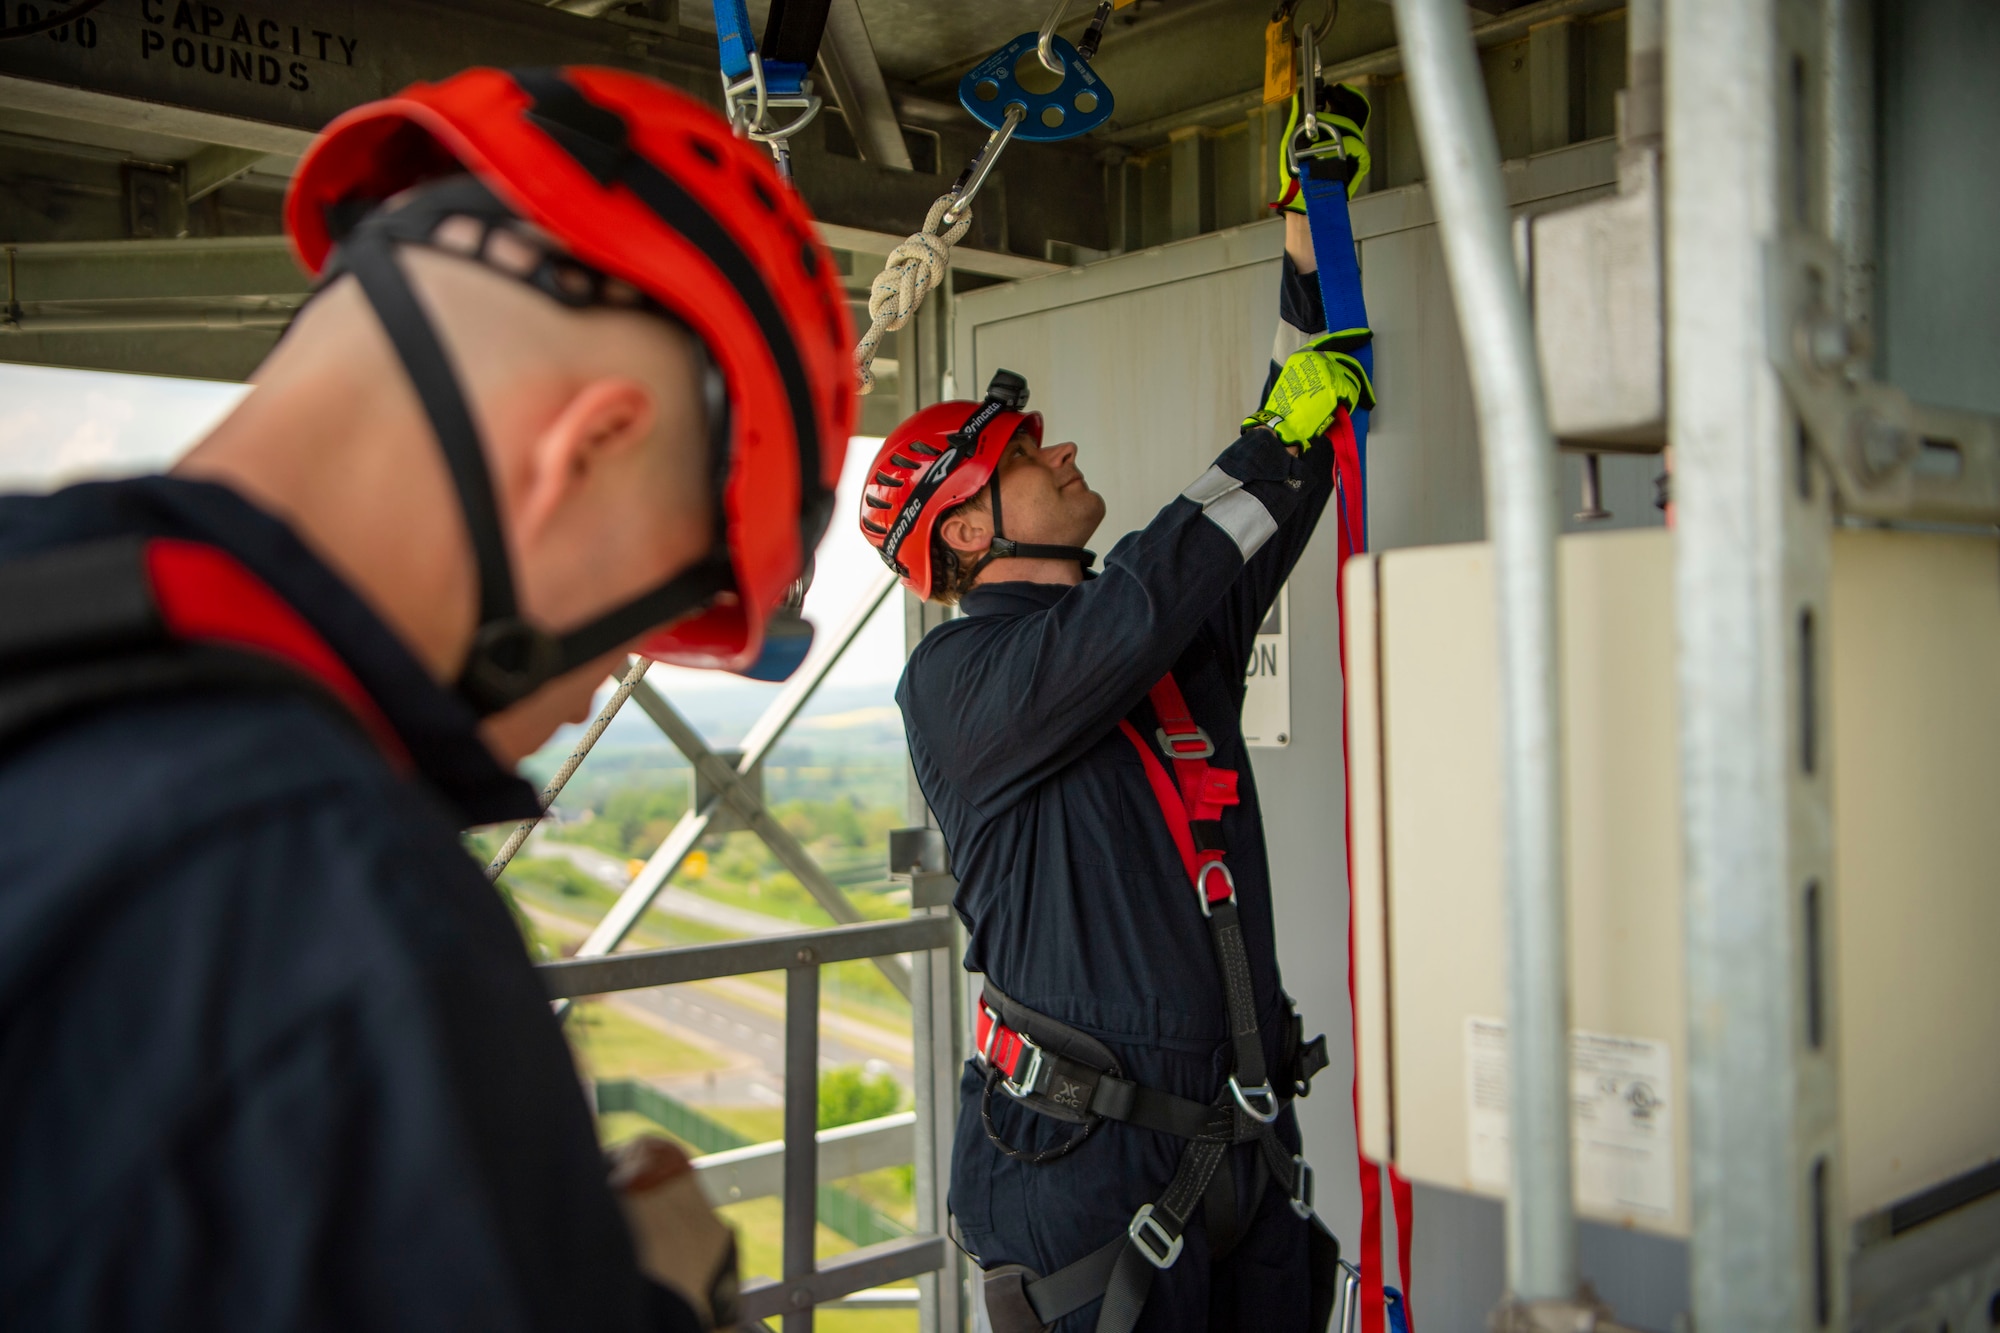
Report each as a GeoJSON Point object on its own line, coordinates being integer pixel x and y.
{"type": "Point", "coordinates": [1621, 1118]}
{"type": "Point", "coordinates": [1267, 679]}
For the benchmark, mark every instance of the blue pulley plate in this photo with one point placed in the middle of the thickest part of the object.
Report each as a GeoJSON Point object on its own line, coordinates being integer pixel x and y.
{"type": "Point", "coordinates": [1079, 105]}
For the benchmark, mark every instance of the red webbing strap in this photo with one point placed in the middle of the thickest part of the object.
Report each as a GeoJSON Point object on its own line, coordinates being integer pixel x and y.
{"type": "Point", "coordinates": [1203, 791]}
{"type": "Point", "coordinates": [206, 595]}
{"type": "Point", "coordinates": [1168, 796]}
{"type": "Point", "coordinates": [1352, 495]}
{"type": "Point", "coordinates": [1005, 1043]}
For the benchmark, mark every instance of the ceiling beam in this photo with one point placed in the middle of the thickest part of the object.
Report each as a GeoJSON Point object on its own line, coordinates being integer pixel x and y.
{"type": "Point", "coordinates": [215, 166]}
{"type": "Point", "coordinates": [228, 268]}
{"type": "Point", "coordinates": [847, 62]}
{"type": "Point", "coordinates": [111, 111]}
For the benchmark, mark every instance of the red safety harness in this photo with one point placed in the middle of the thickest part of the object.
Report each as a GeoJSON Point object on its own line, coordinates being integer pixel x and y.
{"type": "Point", "coordinates": [103, 620]}
{"type": "Point", "coordinates": [1061, 1072]}
{"type": "Point", "coordinates": [1193, 805]}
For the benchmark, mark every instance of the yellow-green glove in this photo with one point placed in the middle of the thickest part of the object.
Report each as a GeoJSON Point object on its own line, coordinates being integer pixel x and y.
{"type": "Point", "coordinates": [1315, 383]}
{"type": "Point", "coordinates": [1342, 110]}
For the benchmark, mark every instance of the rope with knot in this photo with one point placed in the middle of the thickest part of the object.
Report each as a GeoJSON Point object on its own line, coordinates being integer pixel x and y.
{"type": "Point", "coordinates": [913, 269]}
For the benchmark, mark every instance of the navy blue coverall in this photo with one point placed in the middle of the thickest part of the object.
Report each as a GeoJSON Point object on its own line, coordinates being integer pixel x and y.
{"type": "Point", "coordinates": [272, 1056]}
{"type": "Point", "coordinates": [1076, 900]}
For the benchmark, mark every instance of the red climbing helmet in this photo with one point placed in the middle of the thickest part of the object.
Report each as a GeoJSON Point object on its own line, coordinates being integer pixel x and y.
{"type": "Point", "coordinates": [655, 204]}
{"type": "Point", "coordinates": [934, 461]}
{"type": "Point", "coordinates": [939, 459]}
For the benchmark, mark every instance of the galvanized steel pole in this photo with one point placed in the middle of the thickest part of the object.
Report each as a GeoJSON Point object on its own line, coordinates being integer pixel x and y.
{"type": "Point", "coordinates": [1462, 159]}
{"type": "Point", "coordinates": [1752, 571]}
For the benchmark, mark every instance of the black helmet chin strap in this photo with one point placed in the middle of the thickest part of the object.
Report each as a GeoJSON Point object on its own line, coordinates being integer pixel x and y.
{"type": "Point", "coordinates": [511, 658]}
{"type": "Point", "coordinates": [1008, 391]}
{"type": "Point", "coordinates": [1004, 548]}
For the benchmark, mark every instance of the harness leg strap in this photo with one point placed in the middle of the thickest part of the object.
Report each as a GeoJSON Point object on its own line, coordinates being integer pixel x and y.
{"type": "Point", "coordinates": [1218, 1212]}
{"type": "Point", "coordinates": [1132, 1278]}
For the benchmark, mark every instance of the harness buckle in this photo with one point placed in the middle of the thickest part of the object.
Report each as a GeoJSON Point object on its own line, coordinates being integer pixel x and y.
{"type": "Point", "coordinates": [1187, 745]}
{"type": "Point", "coordinates": [1201, 885]}
{"type": "Point", "coordinates": [1261, 1093]}
{"type": "Point", "coordinates": [1302, 1187]}
{"type": "Point", "coordinates": [1030, 1083]}
{"type": "Point", "coordinates": [1145, 1224]}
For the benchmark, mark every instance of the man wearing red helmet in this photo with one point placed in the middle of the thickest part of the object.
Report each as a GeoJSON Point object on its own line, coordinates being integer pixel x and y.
{"type": "Point", "coordinates": [1126, 1156]}
{"type": "Point", "coordinates": [271, 1053]}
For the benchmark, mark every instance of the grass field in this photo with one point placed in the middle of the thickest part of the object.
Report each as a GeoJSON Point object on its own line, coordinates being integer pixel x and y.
{"type": "Point", "coordinates": [615, 1042]}
{"type": "Point", "coordinates": [759, 1223]}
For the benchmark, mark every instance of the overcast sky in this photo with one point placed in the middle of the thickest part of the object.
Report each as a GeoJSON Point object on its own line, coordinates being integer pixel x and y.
{"type": "Point", "coordinates": [59, 426]}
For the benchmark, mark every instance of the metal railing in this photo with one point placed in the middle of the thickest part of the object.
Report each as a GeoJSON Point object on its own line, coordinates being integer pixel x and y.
{"type": "Point", "coordinates": [791, 1167]}
{"type": "Point", "coordinates": [805, 1283]}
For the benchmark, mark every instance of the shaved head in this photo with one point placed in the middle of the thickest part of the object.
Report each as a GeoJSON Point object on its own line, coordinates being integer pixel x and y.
{"type": "Point", "coordinates": [595, 439]}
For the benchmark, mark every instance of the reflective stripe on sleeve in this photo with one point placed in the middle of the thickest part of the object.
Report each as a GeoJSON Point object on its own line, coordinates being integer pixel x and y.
{"type": "Point", "coordinates": [1211, 486]}
{"type": "Point", "coordinates": [1286, 341]}
{"type": "Point", "coordinates": [1243, 516]}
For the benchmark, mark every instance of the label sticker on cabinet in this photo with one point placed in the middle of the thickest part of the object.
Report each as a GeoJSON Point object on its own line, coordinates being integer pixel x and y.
{"type": "Point", "coordinates": [1267, 678]}
{"type": "Point", "coordinates": [1621, 1118]}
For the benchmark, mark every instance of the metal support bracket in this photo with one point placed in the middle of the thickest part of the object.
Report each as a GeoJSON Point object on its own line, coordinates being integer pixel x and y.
{"type": "Point", "coordinates": [919, 856]}
{"type": "Point", "coordinates": [1889, 458]}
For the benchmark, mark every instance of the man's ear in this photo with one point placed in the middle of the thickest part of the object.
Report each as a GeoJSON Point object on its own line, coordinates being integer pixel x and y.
{"type": "Point", "coordinates": [967, 530]}
{"type": "Point", "coordinates": [606, 421]}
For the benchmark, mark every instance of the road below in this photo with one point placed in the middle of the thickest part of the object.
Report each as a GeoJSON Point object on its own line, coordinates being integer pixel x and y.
{"type": "Point", "coordinates": [735, 1017]}
{"type": "Point", "coordinates": [721, 1017]}
{"type": "Point", "coordinates": [612, 870]}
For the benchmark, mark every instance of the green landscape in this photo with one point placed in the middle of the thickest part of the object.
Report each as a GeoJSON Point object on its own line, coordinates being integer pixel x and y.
{"type": "Point", "coordinates": [700, 1057]}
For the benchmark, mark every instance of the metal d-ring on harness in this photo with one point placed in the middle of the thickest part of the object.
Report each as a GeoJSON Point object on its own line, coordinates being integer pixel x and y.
{"type": "Point", "coordinates": [1058, 1071]}
{"type": "Point", "coordinates": [756, 84]}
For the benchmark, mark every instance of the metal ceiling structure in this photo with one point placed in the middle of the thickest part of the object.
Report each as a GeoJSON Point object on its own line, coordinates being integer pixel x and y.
{"type": "Point", "coordinates": [144, 147]}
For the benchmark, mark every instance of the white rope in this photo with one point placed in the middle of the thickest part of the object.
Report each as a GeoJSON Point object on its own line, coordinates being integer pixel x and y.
{"type": "Point", "coordinates": [913, 269]}
{"type": "Point", "coordinates": [635, 671]}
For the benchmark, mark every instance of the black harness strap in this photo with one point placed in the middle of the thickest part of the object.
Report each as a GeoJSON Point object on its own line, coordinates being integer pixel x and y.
{"type": "Point", "coordinates": [793, 30]}
{"type": "Point", "coordinates": [1057, 1071]}
{"type": "Point", "coordinates": [80, 629]}
{"type": "Point", "coordinates": [91, 597]}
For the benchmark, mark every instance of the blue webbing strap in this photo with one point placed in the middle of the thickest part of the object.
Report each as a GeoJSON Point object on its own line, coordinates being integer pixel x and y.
{"type": "Point", "coordinates": [1323, 185]}
{"type": "Point", "coordinates": [782, 78]}
{"type": "Point", "coordinates": [1325, 195]}
{"type": "Point", "coordinates": [732, 34]}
